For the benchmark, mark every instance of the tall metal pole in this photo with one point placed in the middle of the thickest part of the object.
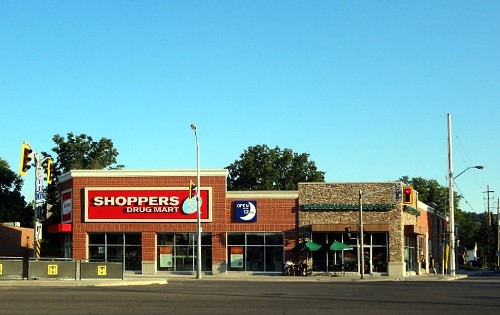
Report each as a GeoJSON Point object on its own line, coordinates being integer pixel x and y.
{"type": "Point", "coordinates": [198, 210]}
{"type": "Point", "coordinates": [451, 200]}
{"type": "Point", "coordinates": [498, 232]}
{"type": "Point", "coordinates": [361, 244]}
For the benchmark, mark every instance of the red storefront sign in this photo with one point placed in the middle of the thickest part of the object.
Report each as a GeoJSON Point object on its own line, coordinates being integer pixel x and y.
{"type": "Point", "coordinates": [146, 204]}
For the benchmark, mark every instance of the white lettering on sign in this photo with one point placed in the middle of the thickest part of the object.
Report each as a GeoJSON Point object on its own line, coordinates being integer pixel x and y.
{"type": "Point", "coordinates": [152, 209]}
{"type": "Point", "coordinates": [140, 201]}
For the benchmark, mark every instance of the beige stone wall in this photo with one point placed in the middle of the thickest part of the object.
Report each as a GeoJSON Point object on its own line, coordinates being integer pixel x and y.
{"type": "Point", "coordinates": [348, 193]}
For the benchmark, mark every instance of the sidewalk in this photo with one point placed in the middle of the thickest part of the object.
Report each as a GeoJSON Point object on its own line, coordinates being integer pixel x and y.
{"type": "Point", "coordinates": [138, 280]}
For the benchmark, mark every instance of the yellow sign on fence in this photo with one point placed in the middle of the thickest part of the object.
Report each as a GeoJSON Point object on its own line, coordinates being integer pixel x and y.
{"type": "Point", "coordinates": [101, 270]}
{"type": "Point", "coordinates": [1, 269]}
{"type": "Point", "coordinates": [52, 270]}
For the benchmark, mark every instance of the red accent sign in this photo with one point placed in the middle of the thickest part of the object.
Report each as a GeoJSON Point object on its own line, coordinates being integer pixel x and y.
{"type": "Point", "coordinates": [66, 206]}
{"type": "Point", "coordinates": [146, 204]}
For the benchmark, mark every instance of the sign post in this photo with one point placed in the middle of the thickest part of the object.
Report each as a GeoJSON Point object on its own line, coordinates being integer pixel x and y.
{"type": "Point", "coordinates": [29, 158]}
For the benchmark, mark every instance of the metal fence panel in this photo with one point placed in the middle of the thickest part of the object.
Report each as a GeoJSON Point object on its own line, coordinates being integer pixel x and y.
{"type": "Point", "coordinates": [101, 270]}
{"type": "Point", "coordinates": [52, 269]}
{"type": "Point", "coordinates": [11, 268]}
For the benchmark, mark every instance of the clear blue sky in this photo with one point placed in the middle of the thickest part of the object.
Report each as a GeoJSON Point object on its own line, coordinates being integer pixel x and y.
{"type": "Point", "coordinates": [364, 87]}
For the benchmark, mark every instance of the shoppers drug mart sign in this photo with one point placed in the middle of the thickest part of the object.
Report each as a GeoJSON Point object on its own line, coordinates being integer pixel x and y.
{"type": "Point", "coordinates": [146, 204]}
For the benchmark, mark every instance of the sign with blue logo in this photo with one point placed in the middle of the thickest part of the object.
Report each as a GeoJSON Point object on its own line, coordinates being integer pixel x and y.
{"type": "Point", "coordinates": [246, 211]}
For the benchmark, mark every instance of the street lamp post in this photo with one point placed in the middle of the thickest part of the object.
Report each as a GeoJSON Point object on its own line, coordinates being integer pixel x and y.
{"type": "Point", "coordinates": [198, 210]}
{"type": "Point", "coordinates": [360, 236]}
{"type": "Point", "coordinates": [451, 196]}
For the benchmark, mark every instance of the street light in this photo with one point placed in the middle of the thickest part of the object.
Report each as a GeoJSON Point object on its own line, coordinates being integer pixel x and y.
{"type": "Point", "coordinates": [452, 214]}
{"type": "Point", "coordinates": [198, 210]}
{"type": "Point", "coordinates": [479, 167]}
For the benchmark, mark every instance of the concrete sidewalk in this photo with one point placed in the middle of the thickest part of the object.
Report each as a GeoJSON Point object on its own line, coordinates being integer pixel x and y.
{"type": "Point", "coordinates": [139, 280]}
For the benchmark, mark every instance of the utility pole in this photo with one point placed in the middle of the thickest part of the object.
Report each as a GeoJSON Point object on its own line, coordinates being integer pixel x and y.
{"type": "Point", "coordinates": [488, 228]}
{"type": "Point", "coordinates": [451, 200]}
{"type": "Point", "coordinates": [498, 233]}
{"type": "Point", "coordinates": [487, 192]}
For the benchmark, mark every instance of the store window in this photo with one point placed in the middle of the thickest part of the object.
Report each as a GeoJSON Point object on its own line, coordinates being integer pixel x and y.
{"type": "Point", "coordinates": [376, 254]}
{"type": "Point", "coordinates": [116, 247]}
{"type": "Point", "coordinates": [261, 252]}
{"type": "Point", "coordinates": [177, 251]}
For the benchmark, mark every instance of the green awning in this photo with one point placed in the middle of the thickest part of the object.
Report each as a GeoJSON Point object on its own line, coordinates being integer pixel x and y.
{"type": "Point", "coordinates": [310, 246]}
{"type": "Point", "coordinates": [340, 246]}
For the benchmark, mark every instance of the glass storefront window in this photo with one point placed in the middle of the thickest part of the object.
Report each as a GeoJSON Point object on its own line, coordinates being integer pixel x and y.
{"type": "Point", "coordinates": [236, 239]}
{"type": "Point", "coordinates": [255, 252]}
{"type": "Point", "coordinates": [274, 239]}
{"type": "Point", "coordinates": [255, 239]}
{"type": "Point", "coordinates": [114, 238]}
{"type": "Point", "coordinates": [116, 247]}
{"type": "Point", "coordinates": [177, 251]}
{"type": "Point", "coordinates": [375, 252]}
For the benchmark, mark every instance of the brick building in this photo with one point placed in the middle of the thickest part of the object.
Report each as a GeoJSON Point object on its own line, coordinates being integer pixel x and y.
{"type": "Point", "coordinates": [16, 241]}
{"type": "Point", "coordinates": [144, 219]}
{"type": "Point", "coordinates": [147, 220]}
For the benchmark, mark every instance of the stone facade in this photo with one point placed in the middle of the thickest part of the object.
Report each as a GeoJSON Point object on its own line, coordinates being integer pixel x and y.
{"type": "Point", "coordinates": [334, 207]}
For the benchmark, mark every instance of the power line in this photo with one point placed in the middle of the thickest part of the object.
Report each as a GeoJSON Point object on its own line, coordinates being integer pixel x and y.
{"type": "Point", "coordinates": [463, 197]}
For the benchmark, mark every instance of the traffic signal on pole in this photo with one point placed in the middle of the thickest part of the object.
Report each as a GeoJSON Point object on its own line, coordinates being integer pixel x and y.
{"type": "Point", "coordinates": [26, 158]}
{"type": "Point", "coordinates": [49, 171]}
{"type": "Point", "coordinates": [192, 187]}
{"type": "Point", "coordinates": [408, 194]}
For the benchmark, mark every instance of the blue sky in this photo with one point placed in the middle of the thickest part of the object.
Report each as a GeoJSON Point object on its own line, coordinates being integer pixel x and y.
{"type": "Point", "coordinates": [364, 87]}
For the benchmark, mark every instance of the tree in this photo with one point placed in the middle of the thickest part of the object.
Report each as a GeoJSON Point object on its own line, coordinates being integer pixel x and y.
{"type": "Point", "coordinates": [77, 153]}
{"type": "Point", "coordinates": [74, 153]}
{"type": "Point", "coordinates": [13, 207]}
{"type": "Point", "coordinates": [82, 153]}
{"type": "Point", "coordinates": [262, 168]}
{"type": "Point", "coordinates": [429, 191]}
{"type": "Point", "coordinates": [468, 226]}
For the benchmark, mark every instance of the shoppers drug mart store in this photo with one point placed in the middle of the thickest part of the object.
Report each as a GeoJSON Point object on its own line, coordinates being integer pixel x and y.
{"type": "Point", "coordinates": [146, 220]}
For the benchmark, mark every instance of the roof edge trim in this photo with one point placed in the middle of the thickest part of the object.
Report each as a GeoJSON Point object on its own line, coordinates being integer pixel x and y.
{"type": "Point", "coordinates": [140, 173]}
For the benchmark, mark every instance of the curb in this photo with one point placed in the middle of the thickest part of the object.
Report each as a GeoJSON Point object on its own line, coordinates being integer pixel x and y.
{"type": "Point", "coordinates": [142, 281]}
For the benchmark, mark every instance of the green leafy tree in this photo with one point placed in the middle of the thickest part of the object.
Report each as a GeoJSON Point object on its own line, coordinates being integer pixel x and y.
{"type": "Point", "coordinates": [429, 191]}
{"type": "Point", "coordinates": [13, 207]}
{"type": "Point", "coordinates": [263, 168]}
{"type": "Point", "coordinates": [73, 153]}
{"type": "Point", "coordinates": [468, 226]}
{"type": "Point", "coordinates": [83, 153]}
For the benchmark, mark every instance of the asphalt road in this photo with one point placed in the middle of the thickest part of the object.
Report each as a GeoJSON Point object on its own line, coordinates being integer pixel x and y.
{"type": "Point", "coordinates": [478, 295]}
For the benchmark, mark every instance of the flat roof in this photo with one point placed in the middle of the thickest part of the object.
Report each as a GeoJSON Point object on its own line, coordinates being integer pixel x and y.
{"type": "Point", "coordinates": [140, 173]}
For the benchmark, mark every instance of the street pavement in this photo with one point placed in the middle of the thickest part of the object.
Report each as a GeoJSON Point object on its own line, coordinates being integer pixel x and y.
{"type": "Point", "coordinates": [162, 279]}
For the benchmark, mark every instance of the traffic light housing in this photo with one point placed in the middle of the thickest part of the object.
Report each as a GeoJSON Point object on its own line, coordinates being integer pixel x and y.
{"type": "Point", "coordinates": [408, 194]}
{"type": "Point", "coordinates": [49, 171]}
{"type": "Point", "coordinates": [26, 158]}
{"type": "Point", "coordinates": [192, 187]}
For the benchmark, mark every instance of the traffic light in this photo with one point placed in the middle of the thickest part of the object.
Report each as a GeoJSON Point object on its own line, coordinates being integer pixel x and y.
{"type": "Point", "coordinates": [408, 194]}
{"type": "Point", "coordinates": [26, 157]}
{"type": "Point", "coordinates": [192, 187]}
{"type": "Point", "coordinates": [49, 171]}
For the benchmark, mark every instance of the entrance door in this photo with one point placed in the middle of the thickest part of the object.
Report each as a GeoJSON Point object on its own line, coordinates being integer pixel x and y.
{"type": "Point", "coordinates": [367, 255]}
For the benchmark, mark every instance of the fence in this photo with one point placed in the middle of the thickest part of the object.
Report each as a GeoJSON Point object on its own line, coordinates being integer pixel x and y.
{"type": "Point", "coordinates": [58, 268]}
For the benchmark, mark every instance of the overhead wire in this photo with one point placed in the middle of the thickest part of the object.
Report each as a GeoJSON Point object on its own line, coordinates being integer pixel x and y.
{"type": "Point", "coordinates": [464, 156]}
